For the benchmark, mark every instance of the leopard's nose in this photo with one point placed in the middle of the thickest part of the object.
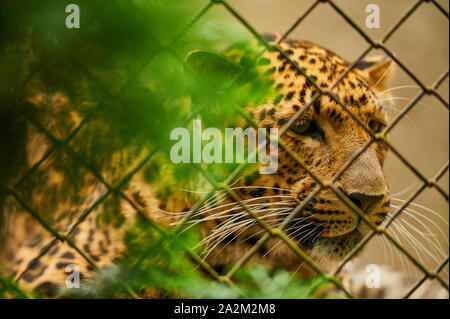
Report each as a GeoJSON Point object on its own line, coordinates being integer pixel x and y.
{"type": "Point", "coordinates": [364, 201]}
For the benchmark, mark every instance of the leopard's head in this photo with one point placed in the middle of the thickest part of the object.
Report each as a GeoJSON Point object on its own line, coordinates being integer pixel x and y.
{"type": "Point", "coordinates": [327, 138]}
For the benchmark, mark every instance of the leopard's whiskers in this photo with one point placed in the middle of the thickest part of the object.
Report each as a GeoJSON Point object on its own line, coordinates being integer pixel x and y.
{"type": "Point", "coordinates": [280, 242]}
{"type": "Point", "coordinates": [415, 214]}
{"type": "Point", "coordinates": [397, 88]}
{"type": "Point", "coordinates": [235, 228]}
{"type": "Point", "coordinates": [405, 229]}
{"type": "Point", "coordinates": [417, 243]}
{"type": "Point", "coordinates": [258, 208]}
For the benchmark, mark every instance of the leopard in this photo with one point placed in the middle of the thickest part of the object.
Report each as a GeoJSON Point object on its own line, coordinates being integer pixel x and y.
{"type": "Point", "coordinates": [326, 136]}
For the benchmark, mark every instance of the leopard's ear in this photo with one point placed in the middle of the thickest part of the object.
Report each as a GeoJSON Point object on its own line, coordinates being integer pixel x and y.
{"type": "Point", "coordinates": [212, 68]}
{"type": "Point", "coordinates": [375, 70]}
{"type": "Point", "coordinates": [272, 37]}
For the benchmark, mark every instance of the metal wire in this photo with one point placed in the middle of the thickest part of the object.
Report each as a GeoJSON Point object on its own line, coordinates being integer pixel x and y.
{"type": "Point", "coordinates": [278, 232]}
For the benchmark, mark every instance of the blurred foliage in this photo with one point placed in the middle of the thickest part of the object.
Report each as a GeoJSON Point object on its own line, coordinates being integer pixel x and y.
{"type": "Point", "coordinates": [9, 289]}
{"type": "Point", "coordinates": [125, 74]}
{"type": "Point", "coordinates": [123, 69]}
{"type": "Point", "coordinates": [160, 264]}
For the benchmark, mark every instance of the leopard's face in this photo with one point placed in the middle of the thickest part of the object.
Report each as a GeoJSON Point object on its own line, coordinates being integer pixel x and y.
{"type": "Point", "coordinates": [326, 137]}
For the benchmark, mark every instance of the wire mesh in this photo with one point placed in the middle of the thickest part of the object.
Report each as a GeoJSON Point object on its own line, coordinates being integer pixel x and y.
{"type": "Point", "coordinates": [270, 232]}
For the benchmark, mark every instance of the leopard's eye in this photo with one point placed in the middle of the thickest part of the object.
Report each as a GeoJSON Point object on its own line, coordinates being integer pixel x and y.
{"type": "Point", "coordinates": [308, 128]}
{"type": "Point", "coordinates": [300, 127]}
{"type": "Point", "coordinates": [376, 126]}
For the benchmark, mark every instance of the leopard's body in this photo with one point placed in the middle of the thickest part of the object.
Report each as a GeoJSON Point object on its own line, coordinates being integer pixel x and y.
{"type": "Point", "coordinates": [326, 138]}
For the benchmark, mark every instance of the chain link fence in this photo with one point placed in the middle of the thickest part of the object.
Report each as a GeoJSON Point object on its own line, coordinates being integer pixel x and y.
{"type": "Point", "coordinates": [270, 232]}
